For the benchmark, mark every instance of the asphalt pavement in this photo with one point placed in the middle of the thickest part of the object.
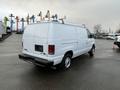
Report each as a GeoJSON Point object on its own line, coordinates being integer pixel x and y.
{"type": "Point", "coordinates": [102, 72]}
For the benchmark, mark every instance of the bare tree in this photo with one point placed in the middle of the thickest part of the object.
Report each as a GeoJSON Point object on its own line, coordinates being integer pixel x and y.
{"type": "Point", "coordinates": [98, 29]}
{"type": "Point", "coordinates": [118, 30]}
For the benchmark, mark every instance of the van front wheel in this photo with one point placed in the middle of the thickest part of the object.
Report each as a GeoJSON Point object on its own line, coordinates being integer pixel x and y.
{"type": "Point", "coordinates": [66, 62]}
{"type": "Point", "coordinates": [92, 52]}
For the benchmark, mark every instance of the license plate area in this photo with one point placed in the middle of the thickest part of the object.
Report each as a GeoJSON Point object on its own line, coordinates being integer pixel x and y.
{"type": "Point", "coordinates": [39, 48]}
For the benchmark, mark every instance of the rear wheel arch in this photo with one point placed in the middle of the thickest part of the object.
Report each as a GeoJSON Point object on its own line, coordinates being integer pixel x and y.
{"type": "Point", "coordinates": [69, 53]}
{"type": "Point", "coordinates": [66, 59]}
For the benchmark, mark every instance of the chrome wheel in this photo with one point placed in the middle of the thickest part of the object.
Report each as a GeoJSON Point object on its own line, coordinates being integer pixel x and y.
{"type": "Point", "coordinates": [67, 62]}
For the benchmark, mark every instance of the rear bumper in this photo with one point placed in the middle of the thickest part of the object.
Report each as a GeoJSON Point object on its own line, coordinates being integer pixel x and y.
{"type": "Point", "coordinates": [35, 60]}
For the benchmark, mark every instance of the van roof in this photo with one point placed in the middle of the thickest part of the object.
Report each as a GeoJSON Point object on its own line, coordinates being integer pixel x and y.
{"type": "Point", "coordinates": [58, 23]}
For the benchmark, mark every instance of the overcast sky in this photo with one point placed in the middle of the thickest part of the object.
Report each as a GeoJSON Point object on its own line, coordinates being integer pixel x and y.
{"type": "Point", "coordinates": [89, 12]}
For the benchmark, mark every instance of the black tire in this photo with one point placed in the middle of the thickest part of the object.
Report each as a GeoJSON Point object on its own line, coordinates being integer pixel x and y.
{"type": "Point", "coordinates": [92, 52]}
{"type": "Point", "coordinates": [66, 62]}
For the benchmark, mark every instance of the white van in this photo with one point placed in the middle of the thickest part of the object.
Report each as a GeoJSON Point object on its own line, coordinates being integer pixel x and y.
{"type": "Point", "coordinates": [55, 44]}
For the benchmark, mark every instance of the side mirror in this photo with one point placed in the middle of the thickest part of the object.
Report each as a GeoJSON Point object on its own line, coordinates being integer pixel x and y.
{"type": "Point", "coordinates": [91, 36]}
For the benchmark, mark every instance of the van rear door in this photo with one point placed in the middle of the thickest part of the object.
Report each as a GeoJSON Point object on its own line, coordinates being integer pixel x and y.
{"type": "Point", "coordinates": [36, 39]}
{"type": "Point", "coordinates": [41, 39]}
{"type": "Point", "coordinates": [28, 40]}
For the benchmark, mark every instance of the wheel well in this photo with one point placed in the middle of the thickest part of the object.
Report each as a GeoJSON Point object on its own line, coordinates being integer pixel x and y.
{"type": "Point", "coordinates": [69, 52]}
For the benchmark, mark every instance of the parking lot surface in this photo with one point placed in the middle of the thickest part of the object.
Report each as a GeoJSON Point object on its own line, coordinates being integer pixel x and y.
{"type": "Point", "coordinates": [102, 72]}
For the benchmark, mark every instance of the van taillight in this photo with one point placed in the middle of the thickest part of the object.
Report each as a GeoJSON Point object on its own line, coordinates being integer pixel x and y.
{"type": "Point", "coordinates": [51, 49]}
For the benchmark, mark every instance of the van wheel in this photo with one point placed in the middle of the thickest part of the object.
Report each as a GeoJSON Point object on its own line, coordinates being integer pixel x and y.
{"type": "Point", "coordinates": [92, 52]}
{"type": "Point", "coordinates": [66, 62]}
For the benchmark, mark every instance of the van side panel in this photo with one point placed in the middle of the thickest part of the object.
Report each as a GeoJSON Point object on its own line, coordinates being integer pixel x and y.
{"type": "Point", "coordinates": [64, 38]}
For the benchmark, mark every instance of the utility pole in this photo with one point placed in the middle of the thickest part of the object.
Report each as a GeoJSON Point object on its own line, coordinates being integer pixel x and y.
{"type": "Point", "coordinates": [11, 22]}
{"type": "Point", "coordinates": [22, 20]}
{"type": "Point", "coordinates": [17, 21]}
